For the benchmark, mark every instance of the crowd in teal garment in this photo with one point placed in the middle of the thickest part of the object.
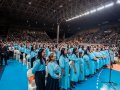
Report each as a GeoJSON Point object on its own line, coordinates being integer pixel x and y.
{"type": "Point", "coordinates": [85, 65]}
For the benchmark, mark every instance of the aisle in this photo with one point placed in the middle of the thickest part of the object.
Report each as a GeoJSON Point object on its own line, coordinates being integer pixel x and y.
{"type": "Point", "coordinates": [14, 77]}
{"type": "Point", "coordinates": [94, 83]}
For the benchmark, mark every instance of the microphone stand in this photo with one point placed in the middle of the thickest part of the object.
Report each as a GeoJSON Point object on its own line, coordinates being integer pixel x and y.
{"type": "Point", "coordinates": [110, 82]}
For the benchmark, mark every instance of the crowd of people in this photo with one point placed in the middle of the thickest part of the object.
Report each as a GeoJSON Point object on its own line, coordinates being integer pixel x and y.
{"type": "Point", "coordinates": [28, 35]}
{"type": "Point", "coordinates": [64, 65]}
{"type": "Point", "coordinates": [110, 36]}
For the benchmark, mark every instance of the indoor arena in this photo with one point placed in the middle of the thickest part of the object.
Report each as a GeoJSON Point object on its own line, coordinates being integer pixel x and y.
{"type": "Point", "coordinates": [59, 44]}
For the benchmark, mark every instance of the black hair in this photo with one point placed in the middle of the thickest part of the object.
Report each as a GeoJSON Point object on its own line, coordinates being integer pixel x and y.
{"type": "Point", "coordinates": [40, 56]}
{"type": "Point", "coordinates": [86, 52]}
{"type": "Point", "coordinates": [75, 52]}
{"type": "Point", "coordinates": [62, 52]}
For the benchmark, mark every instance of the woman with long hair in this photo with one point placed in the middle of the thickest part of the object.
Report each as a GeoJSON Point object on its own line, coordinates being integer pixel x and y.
{"type": "Point", "coordinates": [53, 73]}
{"type": "Point", "coordinates": [86, 63]}
{"type": "Point", "coordinates": [74, 71]}
{"type": "Point", "coordinates": [39, 70]}
{"type": "Point", "coordinates": [64, 65]}
{"type": "Point", "coordinates": [81, 62]}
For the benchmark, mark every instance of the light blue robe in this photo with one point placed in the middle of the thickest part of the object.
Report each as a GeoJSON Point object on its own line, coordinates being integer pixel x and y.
{"type": "Point", "coordinates": [92, 63]}
{"type": "Point", "coordinates": [97, 62]}
{"type": "Point", "coordinates": [104, 55]}
{"type": "Point", "coordinates": [38, 66]}
{"type": "Point", "coordinates": [86, 65]}
{"type": "Point", "coordinates": [65, 79]}
{"type": "Point", "coordinates": [57, 54]}
{"type": "Point", "coordinates": [107, 57]}
{"type": "Point", "coordinates": [75, 76]}
{"type": "Point", "coordinates": [101, 59]}
{"type": "Point", "coordinates": [112, 55]}
{"type": "Point", "coordinates": [53, 69]}
{"type": "Point", "coordinates": [82, 73]}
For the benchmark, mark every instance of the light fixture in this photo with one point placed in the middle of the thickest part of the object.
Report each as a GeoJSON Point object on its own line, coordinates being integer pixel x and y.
{"type": "Point", "coordinates": [118, 1]}
{"type": "Point", "coordinates": [100, 8]}
{"type": "Point", "coordinates": [86, 13]}
{"type": "Point", "coordinates": [92, 11]}
{"type": "Point", "coordinates": [109, 5]}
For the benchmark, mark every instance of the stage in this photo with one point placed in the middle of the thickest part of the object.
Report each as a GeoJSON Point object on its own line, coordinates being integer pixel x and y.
{"type": "Point", "coordinates": [14, 77]}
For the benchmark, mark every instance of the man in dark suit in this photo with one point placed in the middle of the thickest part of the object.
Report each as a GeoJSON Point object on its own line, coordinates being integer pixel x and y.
{"type": "Point", "coordinates": [3, 54]}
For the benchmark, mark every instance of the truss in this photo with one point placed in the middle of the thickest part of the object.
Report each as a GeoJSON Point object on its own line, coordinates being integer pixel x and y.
{"type": "Point", "coordinates": [49, 10]}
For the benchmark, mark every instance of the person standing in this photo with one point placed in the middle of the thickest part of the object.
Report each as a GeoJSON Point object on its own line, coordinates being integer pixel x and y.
{"type": "Point", "coordinates": [3, 54]}
{"type": "Point", "coordinates": [74, 72]}
{"type": "Point", "coordinates": [81, 63]}
{"type": "Point", "coordinates": [39, 70]}
{"type": "Point", "coordinates": [64, 65]}
{"type": "Point", "coordinates": [53, 73]}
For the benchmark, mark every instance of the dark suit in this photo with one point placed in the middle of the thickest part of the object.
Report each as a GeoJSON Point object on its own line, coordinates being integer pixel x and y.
{"type": "Point", "coordinates": [3, 55]}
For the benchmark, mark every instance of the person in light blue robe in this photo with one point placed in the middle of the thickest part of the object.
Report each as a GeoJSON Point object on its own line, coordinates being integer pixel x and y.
{"type": "Point", "coordinates": [107, 61]}
{"type": "Point", "coordinates": [69, 54]}
{"type": "Point", "coordinates": [47, 51]}
{"type": "Point", "coordinates": [39, 70]}
{"type": "Point", "coordinates": [32, 57]}
{"type": "Point", "coordinates": [53, 73]}
{"type": "Point", "coordinates": [97, 62]}
{"type": "Point", "coordinates": [101, 59]}
{"type": "Point", "coordinates": [111, 55]}
{"type": "Point", "coordinates": [57, 52]}
{"type": "Point", "coordinates": [64, 65]}
{"type": "Point", "coordinates": [92, 62]}
{"type": "Point", "coordinates": [74, 73]}
{"type": "Point", "coordinates": [86, 63]}
{"type": "Point", "coordinates": [81, 63]}
{"type": "Point", "coordinates": [104, 56]}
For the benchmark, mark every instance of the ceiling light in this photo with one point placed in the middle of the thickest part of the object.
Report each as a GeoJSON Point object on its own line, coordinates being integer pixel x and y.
{"type": "Point", "coordinates": [118, 1]}
{"type": "Point", "coordinates": [100, 8]}
{"type": "Point", "coordinates": [86, 13]}
{"type": "Point", "coordinates": [109, 5]}
{"type": "Point", "coordinates": [92, 11]}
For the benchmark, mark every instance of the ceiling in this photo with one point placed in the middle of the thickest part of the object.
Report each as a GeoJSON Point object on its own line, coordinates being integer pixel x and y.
{"type": "Point", "coordinates": [46, 13]}
{"type": "Point", "coordinates": [51, 11]}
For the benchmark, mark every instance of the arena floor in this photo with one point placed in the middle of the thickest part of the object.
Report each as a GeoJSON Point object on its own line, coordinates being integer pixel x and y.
{"type": "Point", "coordinates": [14, 77]}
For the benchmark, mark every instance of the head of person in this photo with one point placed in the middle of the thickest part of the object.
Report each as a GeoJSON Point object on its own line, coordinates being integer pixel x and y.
{"type": "Point", "coordinates": [91, 49]}
{"type": "Point", "coordinates": [80, 54]}
{"type": "Point", "coordinates": [52, 57]}
{"type": "Point", "coordinates": [68, 51]}
{"type": "Point", "coordinates": [64, 52]}
{"type": "Point", "coordinates": [75, 51]}
{"type": "Point", "coordinates": [86, 52]}
{"type": "Point", "coordinates": [41, 55]}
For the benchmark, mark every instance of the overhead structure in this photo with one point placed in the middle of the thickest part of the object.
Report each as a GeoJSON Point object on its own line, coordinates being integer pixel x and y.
{"type": "Point", "coordinates": [50, 10]}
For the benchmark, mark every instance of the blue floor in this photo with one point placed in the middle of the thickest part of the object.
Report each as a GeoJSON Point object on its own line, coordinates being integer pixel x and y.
{"type": "Point", "coordinates": [98, 81]}
{"type": "Point", "coordinates": [14, 77]}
